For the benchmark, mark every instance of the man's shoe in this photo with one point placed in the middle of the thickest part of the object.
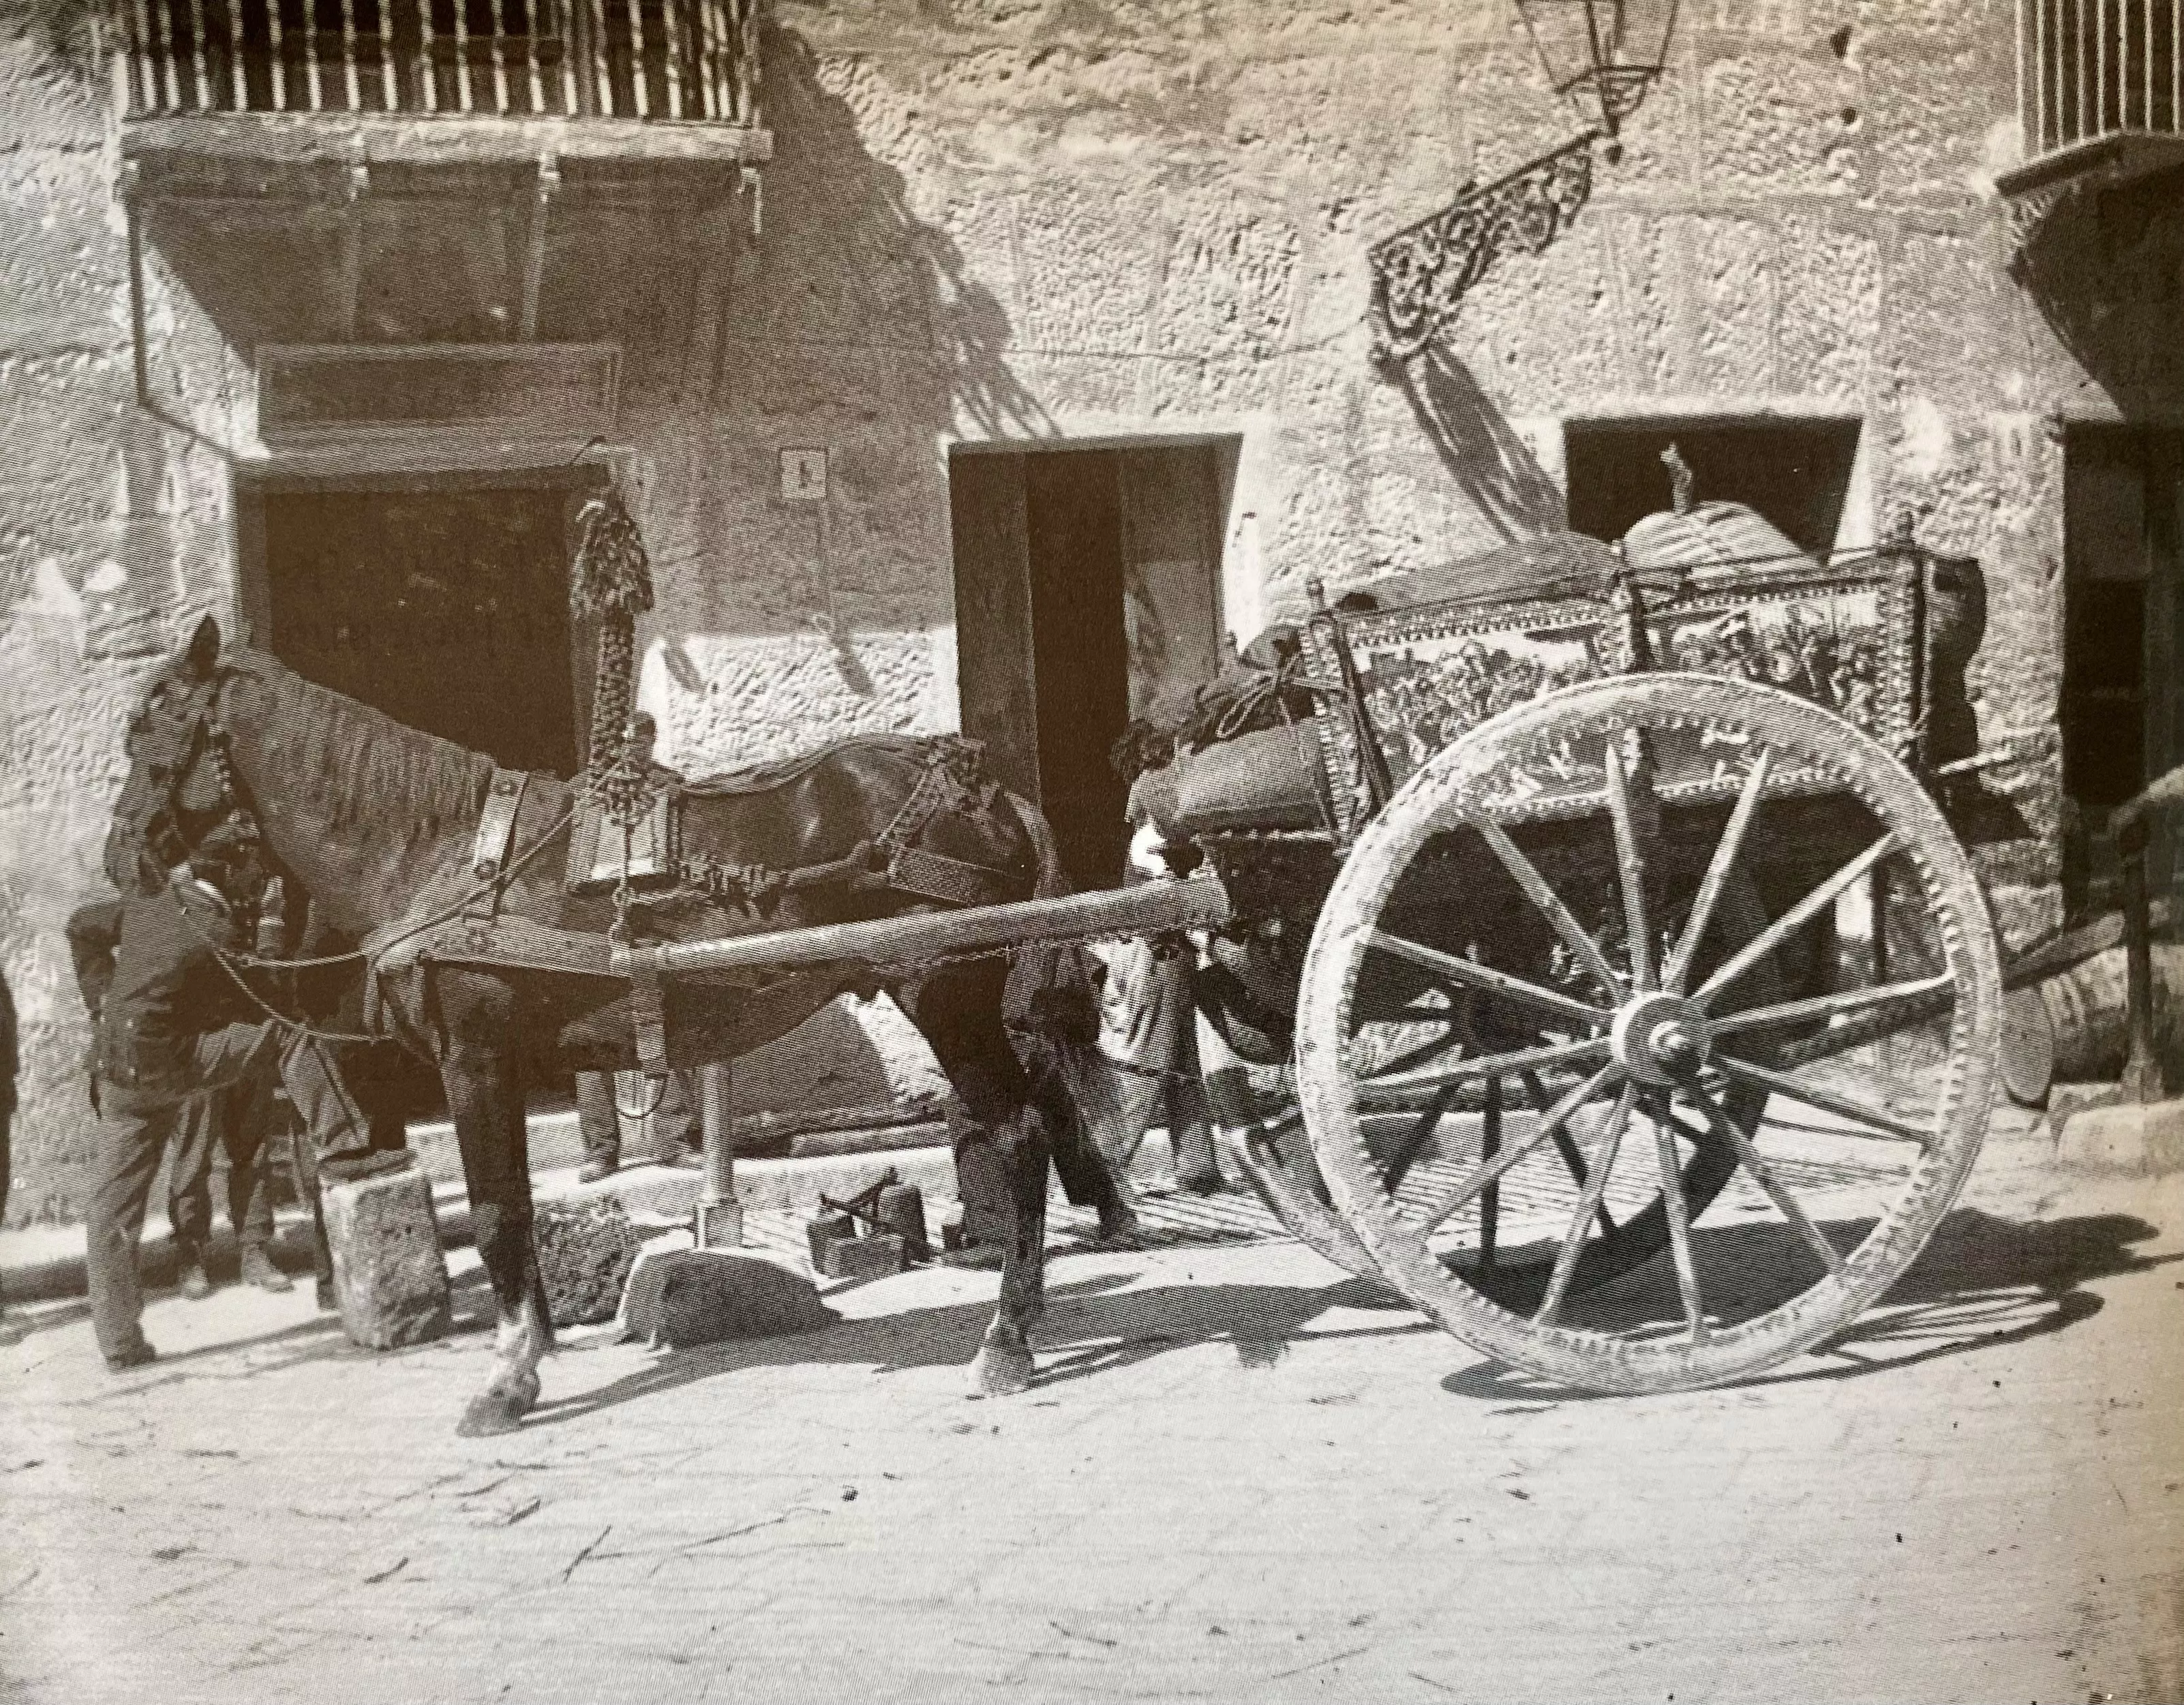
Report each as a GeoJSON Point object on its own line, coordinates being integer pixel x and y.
{"type": "Point", "coordinates": [195, 1284]}
{"type": "Point", "coordinates": [258, 1269]}
{"type": "Point", "coordinates": [685, 1160]}
{"type": "Point", "coordinates": [598, 1167]}
{"type": "Point", "coordinates": [136, 1355]}
{"type": "Point", "coordinates": [13, 1329]}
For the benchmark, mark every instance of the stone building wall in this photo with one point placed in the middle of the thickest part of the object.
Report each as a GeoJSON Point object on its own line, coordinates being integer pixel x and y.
{"type": "Point", "coordinates": [112, 530]}
{"type": "Point", "coordinates": [997, 221]}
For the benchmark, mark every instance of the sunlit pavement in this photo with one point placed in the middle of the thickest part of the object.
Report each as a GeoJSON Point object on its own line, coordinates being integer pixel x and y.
{"type": "Point", "coordinates": [1241, 1476]}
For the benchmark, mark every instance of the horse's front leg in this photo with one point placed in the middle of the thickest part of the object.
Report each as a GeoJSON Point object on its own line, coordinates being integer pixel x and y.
{"type": "Point", "coordinates": [1001, 1160]}
{"type": "Point", "coordinates": [1003, 1165]}
{"type": "Point", "coordinates": [485, 1095]}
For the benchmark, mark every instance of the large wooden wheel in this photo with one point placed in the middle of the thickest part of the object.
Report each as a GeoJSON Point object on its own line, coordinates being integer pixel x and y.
{"type": "Point", "coordinates": [1414, 1114]}
{"type": "Point", "coordinates": [1822, 1132]}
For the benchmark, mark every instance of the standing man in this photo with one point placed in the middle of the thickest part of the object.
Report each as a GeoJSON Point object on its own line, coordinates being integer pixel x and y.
{"type": "Point", "coordinates": [233, 1120]}
{"type": "Point", "coordinates": [173, 1023]}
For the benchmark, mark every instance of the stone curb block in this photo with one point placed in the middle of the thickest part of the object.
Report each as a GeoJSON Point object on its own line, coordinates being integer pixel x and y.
{"type": "Point", "coordinates": [2128, 1138]}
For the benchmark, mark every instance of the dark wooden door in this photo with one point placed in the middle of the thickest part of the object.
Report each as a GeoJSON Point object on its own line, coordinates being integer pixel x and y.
{"type": "Point", "coordinates": [448, 610]}
{"type": "Point", "coordinates": [1080, 655]}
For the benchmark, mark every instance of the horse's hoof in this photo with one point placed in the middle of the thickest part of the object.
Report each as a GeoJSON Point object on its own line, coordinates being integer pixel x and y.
{"type": "Point", "coordinates": [1003, 1369]}
{"type": "Point", "coordinates": [491, 1413]}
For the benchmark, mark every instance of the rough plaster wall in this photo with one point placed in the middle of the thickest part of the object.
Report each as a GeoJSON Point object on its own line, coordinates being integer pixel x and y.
{"type": "Point", "coordinates": [1006, 220]}
{"type": "Point", "coordinates": [111, 532]}
{"type": "Point", "coordinates": [1167, 208]}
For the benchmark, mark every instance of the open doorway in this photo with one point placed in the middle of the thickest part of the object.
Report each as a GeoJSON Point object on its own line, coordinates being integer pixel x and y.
{"type": "Point", "coordinates": [2122, 713]}
{"type": "Point", "coordinates": [443, 601]}
{"type": "Point", "coordinates": [1087, 591]}
{"type": "Point", "coordinates": [1798, 474]}
{"type": "Point", "coordinates": [446, 606]}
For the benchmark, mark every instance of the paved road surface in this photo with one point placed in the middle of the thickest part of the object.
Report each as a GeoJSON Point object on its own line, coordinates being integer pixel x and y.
{"type": "Point", "coordinates": [1242, 1477]}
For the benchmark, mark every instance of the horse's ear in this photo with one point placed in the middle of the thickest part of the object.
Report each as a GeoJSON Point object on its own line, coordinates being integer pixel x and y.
{"type": "Point", "coordinates": [205, 648]}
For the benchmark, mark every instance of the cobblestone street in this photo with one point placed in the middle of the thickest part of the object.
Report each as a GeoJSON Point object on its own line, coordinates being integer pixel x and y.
{"type": "Point", "coordinates": [1240, 1476]}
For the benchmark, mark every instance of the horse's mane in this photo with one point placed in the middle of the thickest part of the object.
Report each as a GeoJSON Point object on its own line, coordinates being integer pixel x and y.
{"type": "Point", "coordinates": [370, 768]}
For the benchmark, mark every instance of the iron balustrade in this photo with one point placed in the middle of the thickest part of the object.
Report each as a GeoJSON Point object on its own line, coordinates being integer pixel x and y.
{"type": "Point", "coordinates": [2091, 68]}
{"type": "Point", "coordinates": [655, 59]}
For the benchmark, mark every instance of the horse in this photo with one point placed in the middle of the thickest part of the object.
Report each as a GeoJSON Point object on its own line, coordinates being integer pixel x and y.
{"type": "Point", "coordinates": [378, 823]}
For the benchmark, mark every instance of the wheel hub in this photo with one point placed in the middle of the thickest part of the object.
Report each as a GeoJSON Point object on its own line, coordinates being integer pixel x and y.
{"type": "Point", "coordinates": [1660, 1039]}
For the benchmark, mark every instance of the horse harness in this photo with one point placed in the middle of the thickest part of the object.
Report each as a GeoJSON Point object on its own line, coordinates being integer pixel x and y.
{"type": "Point", "coordinates": [951, 778]}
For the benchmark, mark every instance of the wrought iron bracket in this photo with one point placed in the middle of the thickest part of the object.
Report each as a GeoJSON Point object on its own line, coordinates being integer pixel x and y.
{"type": "Point", "coordinates": [1422, 274]}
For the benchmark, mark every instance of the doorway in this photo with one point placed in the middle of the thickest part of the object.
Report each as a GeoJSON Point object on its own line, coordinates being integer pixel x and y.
{"type": "Point", "coordinates": [442, 601]}
{"type": "Point", "coordinates": [1087, 592]}
{"type": "Point", "coordinates": [445, 606]}
{"type": "Point", "coordinates": [1798, 474]}
{"type": "Point", "coordinates": [2122, 711]}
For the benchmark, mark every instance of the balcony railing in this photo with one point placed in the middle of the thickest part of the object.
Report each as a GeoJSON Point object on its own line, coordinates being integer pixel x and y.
{"type": "Point", "coordinates": [2087, 70]}
{"type": "Point", "coordinates": [642, 59]}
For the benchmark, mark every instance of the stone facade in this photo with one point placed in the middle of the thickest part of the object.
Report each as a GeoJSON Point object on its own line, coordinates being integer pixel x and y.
{"type": "Point", "coordinates": [992, 221]}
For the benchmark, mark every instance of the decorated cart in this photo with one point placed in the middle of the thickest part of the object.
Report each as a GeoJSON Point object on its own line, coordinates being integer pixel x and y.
{"type": "Point", "coordinates": [1614, 931]}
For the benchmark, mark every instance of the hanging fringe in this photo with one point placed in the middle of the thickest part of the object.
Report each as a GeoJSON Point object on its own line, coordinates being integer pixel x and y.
{"type": "Point", "coordinates": [611, 574]}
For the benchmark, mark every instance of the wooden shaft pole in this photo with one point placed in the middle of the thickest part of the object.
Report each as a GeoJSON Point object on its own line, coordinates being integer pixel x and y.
{"type": "Point", "coordinates": [1153, 909]}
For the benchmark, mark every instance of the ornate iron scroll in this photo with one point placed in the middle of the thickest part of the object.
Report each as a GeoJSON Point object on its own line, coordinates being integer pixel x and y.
{"type": "Point", "coordinates": [1421, 274]}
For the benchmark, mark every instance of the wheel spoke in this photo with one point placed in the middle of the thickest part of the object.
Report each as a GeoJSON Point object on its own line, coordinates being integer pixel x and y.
{"type": "Point", "coordinates": [1489, 1198]}
{"type": "Point", "coordinates": [1416, 1139]}
{"type": "Point", "coordinates": [1537, 1092]}
{"type": "Point", "coordinates": [1497, 1065]}
{"type": "Point", "coordinates": [1827, 1005]}
{"type": "Point", "coordinates": [1843, 1107]}
{"type": "Point", "coordinates": [1537, 890]}
{"type": "Point", "coordinates": [1589, 1201]}
{"type": "Point", "coordinates": [1797, 917]}
{"type": "Point", "coordinates": [1485, 977]}
{"type": "Point", "coordinates": [1487, 1172]}
{"type": "Point", "coordinates": [1630, 864]}
{"type": "Point", "coordinates": [1733, 1134]}
{"type": "Point", "coordinates": [1678, 1211]}
{"type": "Point", "coordinates": [1841, 1039]}
{"type": "Point", "coordinates": [1718, 873]}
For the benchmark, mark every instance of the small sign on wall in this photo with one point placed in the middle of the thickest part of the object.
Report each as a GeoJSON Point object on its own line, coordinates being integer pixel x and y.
{"type": "Point", "coordinates": [804, 476]}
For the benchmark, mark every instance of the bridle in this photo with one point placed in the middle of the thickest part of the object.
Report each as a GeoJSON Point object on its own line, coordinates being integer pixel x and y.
{"type": "Point", "coordinates": [162, 840]}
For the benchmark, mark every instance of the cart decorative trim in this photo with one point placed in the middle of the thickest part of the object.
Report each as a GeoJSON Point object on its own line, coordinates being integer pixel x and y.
{"type": "Point", "coordinates": [1840, 638]}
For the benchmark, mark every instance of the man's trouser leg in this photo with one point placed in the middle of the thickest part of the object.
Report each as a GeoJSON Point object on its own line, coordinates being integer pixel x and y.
{"type": "Point", "coordinates": [334, 1124]}
{"type": "Point", "coordinates": [200, 1127]}
{"type": "Point", "coordinates": [250, 1118]}
{"type": "Point", "coordinates": [597, 1123]}
{"type": "Point", "coordinates": [677, 1130]}
{"type": "Point", "coordinates": [132, 1134]}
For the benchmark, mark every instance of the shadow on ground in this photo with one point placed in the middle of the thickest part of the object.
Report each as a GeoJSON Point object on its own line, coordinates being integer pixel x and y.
{"type": "Point", "coordinates": [1093, 1326]}
{"type": "Point", "coordinates": [1981, 1281]}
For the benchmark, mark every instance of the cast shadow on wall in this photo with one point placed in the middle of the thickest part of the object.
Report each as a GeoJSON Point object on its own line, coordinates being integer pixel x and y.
{"type": "Point", "coordinates": [1493, 466]}
{"type": "Point", "coordinates": [863, 308]}
{"type": "Point", "coordinates": [2105, 268]}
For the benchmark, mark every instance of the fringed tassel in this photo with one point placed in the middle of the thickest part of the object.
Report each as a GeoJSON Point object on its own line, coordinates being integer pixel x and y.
{"type": "Point", "coordinates": [612, 575]}
{"type": "Point", "coordinates": [610, 580]}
